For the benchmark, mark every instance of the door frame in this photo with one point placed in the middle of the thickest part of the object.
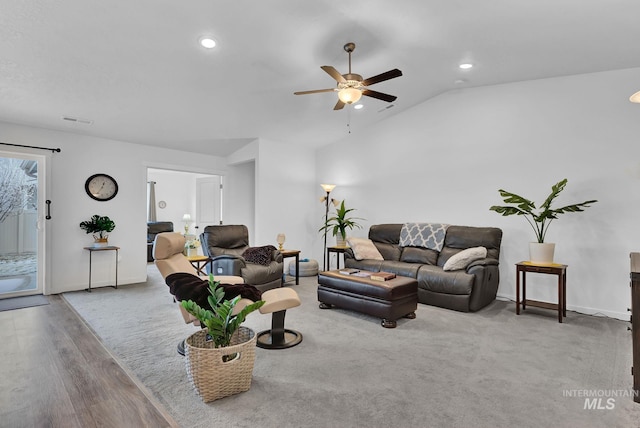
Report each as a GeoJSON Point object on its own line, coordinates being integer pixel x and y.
{"type": "Point", "coordinates": [43, 161]}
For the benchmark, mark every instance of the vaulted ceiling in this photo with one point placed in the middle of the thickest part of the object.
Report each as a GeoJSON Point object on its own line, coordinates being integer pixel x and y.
{"type": "Point", "coordinates": [135, 70]}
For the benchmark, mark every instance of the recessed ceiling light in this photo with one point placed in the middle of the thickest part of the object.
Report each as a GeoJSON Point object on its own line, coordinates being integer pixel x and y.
{"type": "Point", "coordinates": [635, 98]}
{"type": "Point", "coordinates": [465, 66]}
{"type": "Point", "coordinates": [208, 42]}
{"type": "Point", "coordinates": [358, 106]}
{"type": "Point", "coordinates": [459, 81]}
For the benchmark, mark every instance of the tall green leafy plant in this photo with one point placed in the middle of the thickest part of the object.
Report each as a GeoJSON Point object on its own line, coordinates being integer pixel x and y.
{"type": "Point", "coordinates": [542, 218]}
{"type": "Point", "coordinates": [339, 223]}
{"type": "Point", "coordinates": [220, 320]}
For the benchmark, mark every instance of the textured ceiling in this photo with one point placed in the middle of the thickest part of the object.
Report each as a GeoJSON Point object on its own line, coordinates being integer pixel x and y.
{"type": "Point", "coordinates": [135, 69]}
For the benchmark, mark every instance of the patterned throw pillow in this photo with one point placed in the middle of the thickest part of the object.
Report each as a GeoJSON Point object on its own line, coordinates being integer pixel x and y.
{"type": "Point", "coordinates": [364, 249]}
{"type": "Point", "coordinates": [464, 258]}
{"type": "Point", "coordinates": [259, 255]}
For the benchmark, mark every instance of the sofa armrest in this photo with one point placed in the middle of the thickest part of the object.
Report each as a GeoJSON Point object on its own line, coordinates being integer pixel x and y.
{"type": "Point", "coordinates": [482, 262]}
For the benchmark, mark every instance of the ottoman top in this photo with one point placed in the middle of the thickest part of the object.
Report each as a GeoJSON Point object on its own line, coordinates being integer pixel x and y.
{"type": "Point", "coordinates": [392, 289]}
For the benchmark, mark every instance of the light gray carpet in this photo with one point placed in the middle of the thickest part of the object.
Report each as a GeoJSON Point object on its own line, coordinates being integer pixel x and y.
{"type": "Point", "coordinates": [442, 369]}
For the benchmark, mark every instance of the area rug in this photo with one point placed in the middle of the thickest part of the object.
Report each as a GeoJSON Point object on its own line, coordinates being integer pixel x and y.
{"type": "Point", "coordinates": [22, 302]}
{"type": "Point", "coordinates": [443, 369]}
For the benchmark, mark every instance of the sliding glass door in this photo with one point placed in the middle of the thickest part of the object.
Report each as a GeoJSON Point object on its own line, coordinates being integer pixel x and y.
{"type": "Point", "coordinates": [21, 224]}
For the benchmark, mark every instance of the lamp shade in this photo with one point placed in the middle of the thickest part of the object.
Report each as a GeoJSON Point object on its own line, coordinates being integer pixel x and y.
{"type": "Point", "coordinates": [349, 95]}
{"type": "Point", "coordinates": [186, 217]}
{"type": "Point", "coordinates": [635, 98]}
{"type": "Point", "coordinates": [328, 187]}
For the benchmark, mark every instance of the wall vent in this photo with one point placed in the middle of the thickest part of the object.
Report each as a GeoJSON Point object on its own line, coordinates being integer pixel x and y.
{"type": "Point", "coordinates": [77, 120]}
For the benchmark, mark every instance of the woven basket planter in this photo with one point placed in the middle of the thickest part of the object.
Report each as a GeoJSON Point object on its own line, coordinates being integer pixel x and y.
{"type": "Point", "coordinates": [210, 376]}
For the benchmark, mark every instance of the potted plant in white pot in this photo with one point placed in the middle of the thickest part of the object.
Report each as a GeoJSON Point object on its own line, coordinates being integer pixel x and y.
{"type": "Point", "coordinates": [339, 223]}
{"type": "Point", "coordinates": [539, 251]}
{"type": "Point", "coordinates": [99, 226]}
{"type": "Point", "coordinates": [220, 357]}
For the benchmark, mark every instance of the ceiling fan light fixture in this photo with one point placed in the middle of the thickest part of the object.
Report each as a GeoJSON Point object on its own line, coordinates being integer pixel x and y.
{"type": "Point", "coordinates": [207, 42]}
{"type": "Point", "coordinates": [349, 95]}
{"type": "Point", "coordinates": [635, 98]}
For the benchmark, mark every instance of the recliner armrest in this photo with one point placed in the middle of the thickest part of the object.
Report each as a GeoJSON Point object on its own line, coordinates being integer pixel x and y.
{"type": "Point", "coordinates": [226, 264]}
{"type": "Point", "coordinates": [276, 256]}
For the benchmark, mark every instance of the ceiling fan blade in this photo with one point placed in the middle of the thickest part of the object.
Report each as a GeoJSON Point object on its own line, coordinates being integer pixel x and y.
{"type": "Point", "coordinates": [339, 105]}
{"type": "Point", "coordinates": [379, 95]}
{"type": "Point", "coordinates": [391, 74]}
{"type": "Point", "coordinates": [333, 73]}
{"type": "Point", "coordinates": [315, 91]}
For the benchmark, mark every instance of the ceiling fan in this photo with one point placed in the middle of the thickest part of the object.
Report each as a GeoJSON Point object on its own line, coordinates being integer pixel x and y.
{"type": "Point", "coordinates": [351, 86]}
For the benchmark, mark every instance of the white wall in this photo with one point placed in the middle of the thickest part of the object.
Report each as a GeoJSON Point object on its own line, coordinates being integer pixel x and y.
{"type": "Point", "coordinates": [81, 157]}
{"type": "Point", "coordinates": [286, 196]}
{"type": "Point", "coordinates": [444, 161]}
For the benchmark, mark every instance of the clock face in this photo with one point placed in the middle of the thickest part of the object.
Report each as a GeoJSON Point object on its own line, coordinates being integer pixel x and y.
{"type": "Point", "coordinates": [101, 187]}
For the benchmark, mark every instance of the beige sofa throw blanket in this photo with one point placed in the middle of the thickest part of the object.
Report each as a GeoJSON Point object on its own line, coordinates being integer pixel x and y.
{"type": "Point", "coordinates": [426, 235]}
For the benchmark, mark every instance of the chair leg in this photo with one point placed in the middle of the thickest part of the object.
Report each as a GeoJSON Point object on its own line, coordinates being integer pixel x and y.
{"type": "Point", "coordinates": [278, 337]}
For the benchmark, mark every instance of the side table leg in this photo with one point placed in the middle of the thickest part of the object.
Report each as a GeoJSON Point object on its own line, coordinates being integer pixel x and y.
{"type": "Point", "coordinates": [517, 292]}
{"type": "Point", "coordinates": [116, 269]}
{"type": "Point", "coordinates": [524, 290]}
{"type": "Point", "coordinates": [564, 294]}
{"type": "Point", "coordinates": [89, 289]}
{"type": "Point", "coordinates": [297, 269]}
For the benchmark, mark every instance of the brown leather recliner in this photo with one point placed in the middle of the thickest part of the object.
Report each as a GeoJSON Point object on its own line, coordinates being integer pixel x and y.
{"type": "Point", "coordinates": [225, 244]}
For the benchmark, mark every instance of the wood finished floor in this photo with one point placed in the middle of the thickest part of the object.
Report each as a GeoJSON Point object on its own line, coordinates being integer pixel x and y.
{"type": "Point", "coordinates": [54, 372]}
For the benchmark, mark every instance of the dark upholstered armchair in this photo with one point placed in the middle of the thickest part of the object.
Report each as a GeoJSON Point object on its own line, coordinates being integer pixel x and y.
{"type": "Point", "coordinates": [225, 245]}
{"type": "Point", "coordinates": [153, 228]}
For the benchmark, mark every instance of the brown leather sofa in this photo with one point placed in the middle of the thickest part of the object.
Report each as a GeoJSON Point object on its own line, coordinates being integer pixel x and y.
{"type": "Point", "coordinates": [225, 245]}
{"type": "Point", "coordinates": [465, 290]}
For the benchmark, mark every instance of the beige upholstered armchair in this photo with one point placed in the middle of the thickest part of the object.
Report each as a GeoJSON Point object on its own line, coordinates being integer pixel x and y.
{"type": "Point", "coordinates": [226, 244]}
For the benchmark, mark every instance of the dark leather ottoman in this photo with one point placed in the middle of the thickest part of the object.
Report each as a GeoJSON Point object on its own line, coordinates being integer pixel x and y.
{"type": "Point", "coordinates": [389, 300]}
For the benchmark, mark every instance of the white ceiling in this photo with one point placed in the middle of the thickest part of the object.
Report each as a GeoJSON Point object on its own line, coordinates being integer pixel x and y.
{"type": "Point", "coordinates": [135, 69]}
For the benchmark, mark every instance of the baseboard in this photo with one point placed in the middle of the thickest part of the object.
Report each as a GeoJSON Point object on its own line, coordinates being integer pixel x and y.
{"type": "Point", "coordinates": [623, 316]}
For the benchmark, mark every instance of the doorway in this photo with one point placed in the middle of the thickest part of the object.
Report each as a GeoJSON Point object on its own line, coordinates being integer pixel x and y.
{"type": "Point", "coordinates": [21, 226]}
{"type": "Point", "coordinates": [190, 200]}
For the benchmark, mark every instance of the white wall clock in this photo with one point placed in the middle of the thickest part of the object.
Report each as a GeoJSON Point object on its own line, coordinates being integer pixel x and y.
{"type": "Point", "coordinates": [162, 204]}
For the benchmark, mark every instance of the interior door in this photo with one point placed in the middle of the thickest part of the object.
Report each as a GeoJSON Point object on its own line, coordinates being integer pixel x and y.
{"type": "Point", "coordinates": [21, 224]}
{"type": "Point", "coordinates": [208, 201]}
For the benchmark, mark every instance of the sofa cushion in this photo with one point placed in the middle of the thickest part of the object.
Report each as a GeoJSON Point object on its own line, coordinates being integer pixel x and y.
{"type": "Point", "coordinates": [400, 268]}
{"type": "Point", "coordinates": [463, 237]}
{"type": "Point", "coordinates": [364, 249]}
{"type": "Point", "coordinates": [434, 279]}
{"type": "Point", "coordinates": [463, 258]}
{"type": "Point", "coordinates": [419, 255]}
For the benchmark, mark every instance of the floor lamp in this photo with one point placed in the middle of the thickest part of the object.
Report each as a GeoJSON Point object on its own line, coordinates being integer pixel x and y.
{"type": "Point", "coordinates": [327, 188]}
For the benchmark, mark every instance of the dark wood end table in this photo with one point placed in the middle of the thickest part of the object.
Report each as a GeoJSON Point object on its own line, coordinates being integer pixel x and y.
{"type": "Point", "coordinates": [296, 254]}
{"type": "Point", "coordinates": [104, 248]}
{"type": "Point", "coordinates": [338, 250]}
{"type": "Point", "coordinates": [199, 262]}
{"type": "Point", "coordinates": [553, 269]}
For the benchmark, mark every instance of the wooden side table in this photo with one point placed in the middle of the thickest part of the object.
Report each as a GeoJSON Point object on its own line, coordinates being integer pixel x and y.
{"type": "Point", "coordinates": [553, 269]}
{"type": "Point", "coordinates": [199, 262]}
{"type": "Point", "coordinates": [338, 251]}
{"type": "Point", "coordinates": [296, 254]}
{"type": "Point", "coordinates": [105, 248]}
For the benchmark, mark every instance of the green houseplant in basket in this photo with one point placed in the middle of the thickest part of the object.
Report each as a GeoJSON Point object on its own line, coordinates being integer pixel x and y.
{"type": "Point", "coordinates": [220, 358]}
{"type": "Point", "coordinates": [339, 223]}
{"type": "Point", "coordinates": [539, 220]}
